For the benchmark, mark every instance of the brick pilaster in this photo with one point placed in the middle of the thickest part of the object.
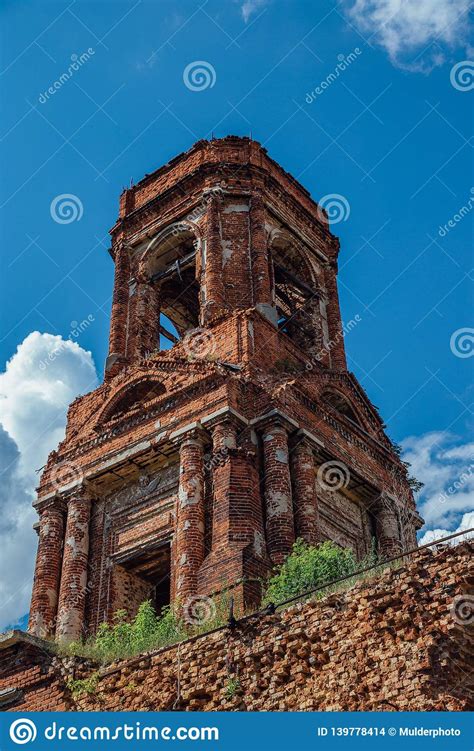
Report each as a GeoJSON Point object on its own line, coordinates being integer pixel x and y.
{"type": "Point", "coordinates": [260, 267]}
{"type": "Point", "coordinates": [238, 557]}
{"type": "Point", "coordinates": [304, 491]}
{"type": "Point", "coordinates": [44, 601]}
{"type": "Point", "coordinates": [280, 529]}
{"type": "Point", "coordinates": [73, 591]}
{"type": "Point", "coordinates": [224, 440]}
{"type": "Point", "coordinates": [387, 527]}
{"type": "Point", "coordinates": [118, 320]}
{"type": "Point", "coordinates": [147, 317]}
{"type": "Point", "coordinates": [213, 275]}
{"type": "Point", "coordinates": [237, 510]}
{"type": "Point", "coordinates": [336, 347]}
{"type": "Point", "coordinates": [259, 255]}
{"type": "Point", "coordinates": [189, 547]}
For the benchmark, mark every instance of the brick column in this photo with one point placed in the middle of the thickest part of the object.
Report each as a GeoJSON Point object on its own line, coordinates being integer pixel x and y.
{"type": "Point", "coordinates": [189, 544]}
{"type": "Point", "coordinates": [387, 527]}
{"type": "Point", "coordinates": [44, 599]}
{"type": "Point", "coordinates": [238, 555]}
{"type": "Point", "coordinates": [336, 340]}
{"type": "Point", "coordinates": [72, 595]}
{"type": "Point", "coordinates": [304, 491]}
{"type": "Point", "coordinates": [280, 530]}
{"type": "Point", "coordinates": [224, 439]}
{"type": "Point", "coordinates": [259, 254]}
{"type": "Point", "coordinates": [118, 320]}
{"type": "Point", "coordinates": [147, 317]}
{"type": "Point", "coordinates": [213, 273]}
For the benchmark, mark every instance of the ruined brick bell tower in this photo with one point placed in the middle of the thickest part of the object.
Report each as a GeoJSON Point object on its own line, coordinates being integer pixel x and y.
{"type": "Point", "coordinates": [227, 425]}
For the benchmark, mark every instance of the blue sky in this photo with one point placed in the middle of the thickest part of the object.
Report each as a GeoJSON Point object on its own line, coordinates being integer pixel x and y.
{"type": "Point", "coordinates": [391, 134]}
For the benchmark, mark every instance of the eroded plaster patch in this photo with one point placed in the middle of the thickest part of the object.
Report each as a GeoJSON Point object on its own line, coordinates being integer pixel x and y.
{"type": "Point", "coordinates": [226, 251]}
{"type": "Point", "coordinates": [235, 207]}
{"type": "Point", "coordinates": [277, 503]}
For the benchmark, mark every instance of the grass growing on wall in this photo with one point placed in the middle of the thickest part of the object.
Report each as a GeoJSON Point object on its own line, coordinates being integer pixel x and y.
{"type": "Point", "coordinates": [146, 631]}
{"type": "Point", "coordinates": [307, 567]}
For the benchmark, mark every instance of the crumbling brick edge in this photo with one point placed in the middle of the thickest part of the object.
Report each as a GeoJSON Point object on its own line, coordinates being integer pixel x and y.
{"type": "Point", "coordinates": [401, 641]}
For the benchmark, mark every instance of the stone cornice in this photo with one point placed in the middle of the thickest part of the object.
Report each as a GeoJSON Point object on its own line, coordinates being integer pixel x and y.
{"type": "Point", "coordinates": [274, 417]}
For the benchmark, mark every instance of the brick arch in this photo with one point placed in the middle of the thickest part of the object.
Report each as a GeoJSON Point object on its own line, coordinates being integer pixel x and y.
{"type": "Point", "coordinates": [297, 293]}
{"type": "Point", "coordinates": [288, 245]}
{"type": "Point", "coordinates": [172, 263]}
{"type": "Point", "coordinates": [340, 402]}
{"type": "Point", "coordinates": [130, 395]}
{"type": "Point", "coordinates": [178, 232]}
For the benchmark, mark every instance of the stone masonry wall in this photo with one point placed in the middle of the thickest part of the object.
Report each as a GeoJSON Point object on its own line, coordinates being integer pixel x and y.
{"type": "Point", "coordinates": [398, 641]}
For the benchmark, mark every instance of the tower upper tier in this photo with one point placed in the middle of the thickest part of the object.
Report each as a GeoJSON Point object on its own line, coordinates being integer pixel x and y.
{"type": "Point", "coordinates": [220, 229]}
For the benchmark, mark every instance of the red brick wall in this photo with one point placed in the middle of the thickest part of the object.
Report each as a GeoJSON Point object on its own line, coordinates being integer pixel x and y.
{"type": "Point", "coordinates": [395, 642]}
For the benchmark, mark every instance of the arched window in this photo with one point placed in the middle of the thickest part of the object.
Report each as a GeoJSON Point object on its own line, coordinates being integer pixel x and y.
{"type": "Point", "coordinates": [171, 263]}
{"type": "Point", "coordinates": [297, 296]}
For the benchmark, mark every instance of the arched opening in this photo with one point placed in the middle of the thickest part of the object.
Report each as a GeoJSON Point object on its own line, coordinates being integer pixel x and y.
{"type": "Point", "coordinates": [132, 396]}
{"type": "Point", "coordinates": [296, 295]}
{"type": "Point", "coordinates": [172, 264]}
{"type": "Point", "coordinates": [342, 405]}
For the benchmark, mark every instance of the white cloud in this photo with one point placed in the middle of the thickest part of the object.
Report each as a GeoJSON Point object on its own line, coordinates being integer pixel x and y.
{"type": "Point", "coordinates": [467, 522]}
{"type": "Point", "coordinates": [44, 375]}
{"type": "Point", "coordinates": [446, 466]}
{"type": "Point", "coordinates": [415, 33]}
{"type": "Point", "coordinates": [249, 7]}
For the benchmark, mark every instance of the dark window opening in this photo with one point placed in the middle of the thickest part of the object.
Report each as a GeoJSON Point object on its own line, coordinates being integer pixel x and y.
{"type": "Point", "coordinates": [174, 271]}
{"type": "Point", "coordinates": [296, 299]}
{"type": "Point", "coordinates": [154, 567]}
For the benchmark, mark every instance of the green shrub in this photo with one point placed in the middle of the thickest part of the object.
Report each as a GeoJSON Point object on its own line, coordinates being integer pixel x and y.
{"type": "Point", "coordinates": [233, 686]}
{"type": "Point", "coordinates": [305, 568]}
{"type": "Point", "coordinates": [123, 638]}
{"type": "Point", "coordinates": [84, 685]}
{"type": "Point", "coordinates": [146, 631]}
{"type": "Point", "coordinates": [308, 567]}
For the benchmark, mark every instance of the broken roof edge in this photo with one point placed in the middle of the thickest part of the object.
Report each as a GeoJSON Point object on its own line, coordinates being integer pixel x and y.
{"type": "Point", "coordinates": [204, 143]}
{"type": "Point", "coordinates": [16, 636]}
